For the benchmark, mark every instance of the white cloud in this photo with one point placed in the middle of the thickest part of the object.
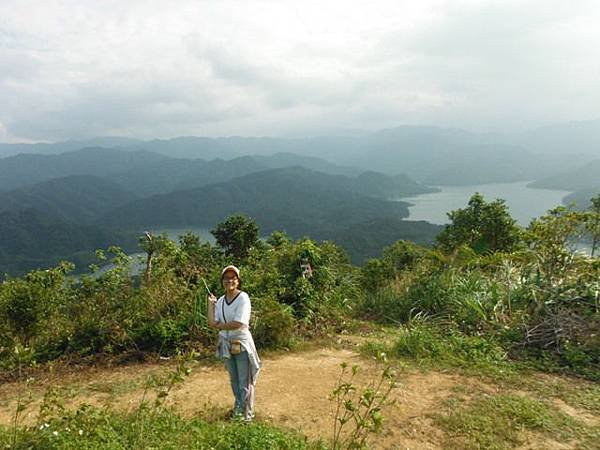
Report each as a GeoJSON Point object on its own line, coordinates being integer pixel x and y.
{"type": "Point", "coordinates": [157, 69]}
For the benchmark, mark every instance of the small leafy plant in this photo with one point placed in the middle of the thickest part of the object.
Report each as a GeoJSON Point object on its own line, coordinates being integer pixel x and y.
{"type": "Point", "coordinates": [358, 408]}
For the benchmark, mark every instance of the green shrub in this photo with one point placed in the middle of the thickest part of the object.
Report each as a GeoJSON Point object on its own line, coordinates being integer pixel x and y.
{"type": "Point", "coordinates": [273, 324]}
{"type": "Point", "coordinates": [89, 337]}
{"type": "Point", "coordinates": [27, 304]}
{"type": "Point", "coordinates": [163, 335]}
{"type": "Point", "coordinates": [583, 359]}
{"type": "Point", "coordinates": [432, 346]}
{"type": "Point", "coordinates": [385, 305]}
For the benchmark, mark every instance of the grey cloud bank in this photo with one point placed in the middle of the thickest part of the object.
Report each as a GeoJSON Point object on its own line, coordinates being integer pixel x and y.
{"type": "Point", "coordinates": [148, 69]}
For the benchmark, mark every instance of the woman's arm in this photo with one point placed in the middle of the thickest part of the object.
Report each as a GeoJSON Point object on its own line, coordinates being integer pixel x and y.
{"type": "Point", "coordinates": [233, 325]}
{"type": "Point", "coordinates": [212, 322]}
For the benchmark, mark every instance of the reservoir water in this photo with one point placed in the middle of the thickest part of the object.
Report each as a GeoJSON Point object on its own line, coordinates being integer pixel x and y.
{"type": "Point", "coordinates": [523, 203]}
{"type": "Point", "coordinates": [175, 233]}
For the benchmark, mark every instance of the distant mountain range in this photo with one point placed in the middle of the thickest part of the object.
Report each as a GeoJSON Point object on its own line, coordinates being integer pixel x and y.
{"type": "Point", "coordinates": [582, 177]}
{"type": "Point", "coordinates": [428, 154]}
{"type": "Point", "coordinates": [584, 181]}
{"type": "Point", "coordinates": [104, 191]}
{"type": "Point", "coordinates": [27, 169]}
{"type": "Point", "coordinates": [145, 173]}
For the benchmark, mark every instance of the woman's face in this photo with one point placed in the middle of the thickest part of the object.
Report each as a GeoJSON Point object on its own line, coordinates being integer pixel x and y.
{"type": "Point", "coordinates": [230, 281]}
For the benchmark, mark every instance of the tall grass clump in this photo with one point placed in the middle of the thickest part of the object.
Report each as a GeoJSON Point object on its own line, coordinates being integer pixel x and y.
{"type": "Point", "coordinates": [428, 345]}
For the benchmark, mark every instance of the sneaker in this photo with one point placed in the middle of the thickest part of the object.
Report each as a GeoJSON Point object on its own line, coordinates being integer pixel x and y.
{"type": "Point", "coordinates": [235, 414]}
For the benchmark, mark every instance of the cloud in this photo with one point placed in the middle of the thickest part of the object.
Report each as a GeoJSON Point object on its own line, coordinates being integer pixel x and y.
{"type": "Point", "coordinates": [155, 69]}
{"type": "Point", "coordinates": [506, 63]}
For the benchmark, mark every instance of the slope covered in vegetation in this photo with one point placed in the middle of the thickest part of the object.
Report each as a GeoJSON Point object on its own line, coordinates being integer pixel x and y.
{"type": "Point", "coordinates": [490, 298]}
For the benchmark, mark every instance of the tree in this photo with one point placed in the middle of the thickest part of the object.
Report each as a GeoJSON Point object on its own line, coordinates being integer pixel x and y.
{"type": "Point", "coordinates": [277, 239]}
{"type": "Point", "coordinates": [592, 224]}
{"type": "Point", "coordinates": [236, 236]}
{"type": "Point", "coordinates": [485, 227]}
{"type": "Point", "coordinates": [151, 244]}
{"type": "Point", "coordinates": [553, 238]}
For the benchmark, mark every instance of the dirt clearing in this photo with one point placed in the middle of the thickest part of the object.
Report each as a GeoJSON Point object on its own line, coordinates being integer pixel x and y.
{"type": "Point", "coordinates": [292, 392]}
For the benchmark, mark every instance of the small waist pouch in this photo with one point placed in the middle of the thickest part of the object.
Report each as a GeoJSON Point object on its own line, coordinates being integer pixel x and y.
{"type": "Point", "coordinates": [236, 348]}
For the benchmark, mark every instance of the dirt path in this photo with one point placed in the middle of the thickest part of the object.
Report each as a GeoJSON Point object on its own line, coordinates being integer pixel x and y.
{"type": "Point", "coordinates": [292, 392]}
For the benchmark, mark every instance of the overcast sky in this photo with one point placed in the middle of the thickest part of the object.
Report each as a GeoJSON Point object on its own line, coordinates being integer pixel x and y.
{"type": "Point", "coordinates": [145, 69]}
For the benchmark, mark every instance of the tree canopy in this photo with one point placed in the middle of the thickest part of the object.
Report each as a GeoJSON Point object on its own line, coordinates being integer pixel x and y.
{"type": "Point", "coordinates": [236, 236]}
{"type": "Point", "coordinates": [483, 226]}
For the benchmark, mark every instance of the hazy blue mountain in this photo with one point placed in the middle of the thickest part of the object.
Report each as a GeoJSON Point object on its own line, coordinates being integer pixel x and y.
{"type": "Point", "coordinates": [443, 164]}
{"type": "Point", "coordinates": [179, 174]}
{"type": "Point", "coordinates": [56, 148]}
{"type": "Point", "coordinates": [496, 164]}
{"type": "Point", "coordinates": [418, 151]}
{"type": "Point", "coordinates": [212, 148]}
{"type": "Point", "coordinates": [26, 169]}
{"type": "Point", "coordinates": [297, 200]}
{"type": "Point", "coordinates": [280, 160]}
{"type": "Point", "coordinates": [582, 197]}
{"type": "Point", "coordinates": [425, 153]}
{"type": "Point", "coordinates": [379, 185]}
{"type": "Point", "coordinates": [30, 239]}
{"type": "Point", "coordinates": [145, 173]}
{"type": "Point", "coordinates": [77, 198]}
{"type": "Point", "coordinates": [583, 177]}
{"type": "Point", "coordinates": [581, 137]}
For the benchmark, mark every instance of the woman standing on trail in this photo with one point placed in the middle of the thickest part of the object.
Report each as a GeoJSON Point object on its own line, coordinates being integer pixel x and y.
{"type": "Point", "coordinates": [231, 315]}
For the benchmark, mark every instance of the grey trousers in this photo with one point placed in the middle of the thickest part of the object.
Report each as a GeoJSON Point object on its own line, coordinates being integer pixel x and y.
{"type": "Point", "coordinates": [242, 384]}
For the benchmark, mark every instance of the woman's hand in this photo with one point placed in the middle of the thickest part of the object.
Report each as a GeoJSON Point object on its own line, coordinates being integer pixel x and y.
{"type": "Point", "coordinates": [212, 301]}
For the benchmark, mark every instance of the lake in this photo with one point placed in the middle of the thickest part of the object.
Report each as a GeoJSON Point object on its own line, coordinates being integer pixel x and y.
{"type": "Point", "coordinates": [139, 259]}
{"type": "Point", "coordinates": [174, 233]}
{"type": "Point", "coordinates": [523, 203]}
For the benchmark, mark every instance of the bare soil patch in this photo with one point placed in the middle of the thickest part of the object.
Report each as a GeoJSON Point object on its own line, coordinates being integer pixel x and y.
{"type": "Point", "coordinates": [292, 391]}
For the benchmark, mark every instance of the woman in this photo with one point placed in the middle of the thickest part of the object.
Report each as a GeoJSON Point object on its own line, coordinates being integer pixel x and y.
{"type": "Point", "coordinates": [231, 315]}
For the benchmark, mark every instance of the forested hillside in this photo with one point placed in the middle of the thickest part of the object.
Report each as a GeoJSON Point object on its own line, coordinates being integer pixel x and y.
{"type": "Point", "coordinates": [29, 238]}
{"type": "Point", "coordinates": [365, 240]}
{"type": "Point", "coordinates": [179, 174]}
{"type": "Point", "coordinates": [297, 200]}
{"type": "Point", "coordinates": [76, 198]}
{"type": "Point", "coordinates": [133, 191]}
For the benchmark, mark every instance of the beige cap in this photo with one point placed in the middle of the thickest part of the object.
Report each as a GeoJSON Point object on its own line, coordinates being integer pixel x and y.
{"type": "Point", "coordinates": [233, 269]}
